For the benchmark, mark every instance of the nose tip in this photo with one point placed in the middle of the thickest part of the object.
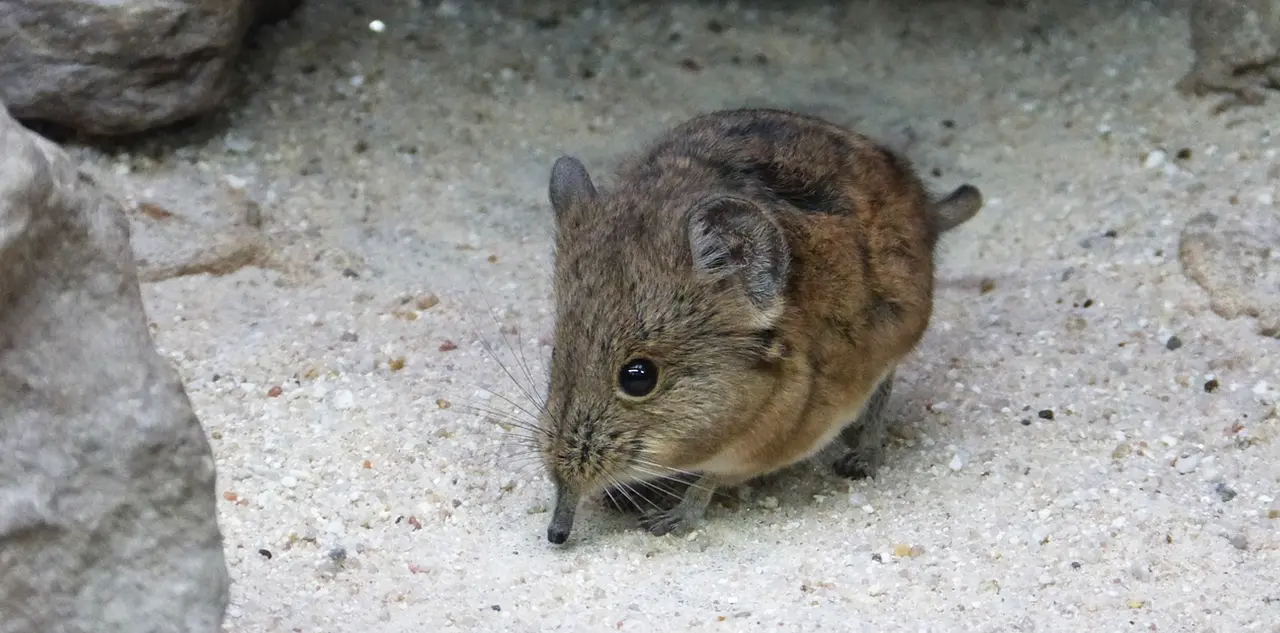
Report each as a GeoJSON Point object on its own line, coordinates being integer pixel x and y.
{"type": "Point", "coordinates": [557, 534]}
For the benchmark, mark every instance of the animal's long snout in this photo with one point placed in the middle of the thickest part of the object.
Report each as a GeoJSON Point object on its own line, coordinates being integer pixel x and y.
{"type": "Point", "coordinates": [562, 518]}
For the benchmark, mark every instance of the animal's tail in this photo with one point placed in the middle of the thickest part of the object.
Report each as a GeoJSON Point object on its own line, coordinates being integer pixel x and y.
{"type": "Point", "coordinates": [956, 208]}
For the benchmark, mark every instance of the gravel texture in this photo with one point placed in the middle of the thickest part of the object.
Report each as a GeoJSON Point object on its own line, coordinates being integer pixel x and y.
{"type": "Point", "coordinates": [1061, 464]}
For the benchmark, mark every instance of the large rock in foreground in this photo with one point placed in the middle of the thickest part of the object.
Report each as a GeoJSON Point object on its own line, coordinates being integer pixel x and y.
{"type": "Point", "coordinates": [107, 516]}
{"type": "Point", "coordinates": [119, 66]}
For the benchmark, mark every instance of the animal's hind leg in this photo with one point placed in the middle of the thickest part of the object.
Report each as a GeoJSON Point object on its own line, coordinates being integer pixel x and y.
{"type": "Point", "coordinates": [865, 438]}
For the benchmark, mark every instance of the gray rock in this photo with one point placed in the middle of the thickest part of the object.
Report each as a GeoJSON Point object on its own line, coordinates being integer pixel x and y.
{"type": "Point", "coordinates": [107, 516]}
{"type": "Point", "coordinates": [1232, 259]}
{"type": "Point", "coordinates": [119, 66]}
{"type": "Point", "coordinates": [183, 224]}
{"type": "Point", "coordinates": [1237, 50]}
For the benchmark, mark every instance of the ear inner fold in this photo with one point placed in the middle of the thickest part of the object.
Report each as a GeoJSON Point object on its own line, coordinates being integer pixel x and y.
{"type": "Point", "coordinates": [733, 237]}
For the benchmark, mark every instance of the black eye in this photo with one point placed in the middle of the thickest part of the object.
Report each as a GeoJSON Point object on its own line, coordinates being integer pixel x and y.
{"type": "Point", "coordinates": [638, 377]}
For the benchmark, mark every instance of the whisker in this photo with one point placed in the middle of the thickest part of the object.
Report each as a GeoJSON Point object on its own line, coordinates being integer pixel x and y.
{"type": "Point", "coordinates": [658, 486]}
{"type": "Point", "coordinates": [631, 494]}
{"type": "Point", "coordinates": [518, 348]}
{"type": "Point", "coordinates": [511, 418]}
{"type": "Point", "coordinates": [507, 400]}
{"type": "Point", "coordinates": [494, 356]}
{"type": "Point", "coordinates": [677, 471]}
{"type": "Point", "coordinates": [523, 364]}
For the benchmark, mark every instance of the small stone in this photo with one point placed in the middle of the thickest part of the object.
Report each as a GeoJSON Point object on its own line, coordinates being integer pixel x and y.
{"type": "Point", "coordinates": [1225, 492]}
{"type": "Point", "coordinates": [1211, 385]}
{"type": "Point", "coordinates": [1154, 159]}
{"type": "Point", "coordinates": [338, 554]}
{"type": "Point", "coordinates": [858, 499]}
{"type": "Point", "coordinates": [448, 346]}
{"type": "Point", "coordinates": [957, 462]}
{"type": "Point", "coordinates": [343, 400]}
{"type": "Point", "coordinates": [1188, 464]}
{"type": "Point", "coordinates": [274, 392]}
{"type": "Point", "coordinates": [1045, 414]}
{"type": "Point", "coordinates": [349, 337]}
{"type": "Point", "coordinates": [1173, 343]}
{"type": "Point", "coordinates": [237, 145]}
{"type": "Point", "coordinates": [377, 27]}
{"type": "Point", "coordinates": [1239, 542]}
{"type": "Point", "coordinates": [1041, 534]}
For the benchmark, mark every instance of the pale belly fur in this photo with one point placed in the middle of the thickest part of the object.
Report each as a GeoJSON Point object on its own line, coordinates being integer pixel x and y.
{"type": "Point", "coordinates": [735, 462]}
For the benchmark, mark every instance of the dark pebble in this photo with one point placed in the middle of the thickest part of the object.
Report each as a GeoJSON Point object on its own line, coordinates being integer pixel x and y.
{"type": "Point", "coordinates": [350, 337]}
{"type": "Point", "coordinates": [1026, 421]}
{"type": "Point", "coordinates": [338, 554]}
{"type": "Point", "coordinates": [876, 557]}
{"type": "Point", "coordinates": [1046, 414]}
{"type": "Point", "coordinates": [1075, 565]}
{"type": "Point", "coordinates": [1087, 303]}
{"type": "Point", "coordinates": [266, 553]}
{"type": "Point", "coordinates": [495, 607]}
{"type": "Point", "coordinates": [1173, 343]}
{"type": "Point", "coordinates": [1211, 386]}
{"type": "Point", "coordinates": [1224, 492]}
{"type": "Point", "coordinates": [1109, 233]}
{"type": "Point", "coordinates": [350, 273]}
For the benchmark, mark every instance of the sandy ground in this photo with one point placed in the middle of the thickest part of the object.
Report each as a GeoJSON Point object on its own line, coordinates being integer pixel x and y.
{"type": "Point", "coordinates": [1060, 465]}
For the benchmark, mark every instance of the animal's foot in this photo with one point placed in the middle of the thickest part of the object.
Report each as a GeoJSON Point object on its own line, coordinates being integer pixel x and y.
{"type": "Point", "coordinates": [666, 521]}
{"type": "Point", "coordinates": [688, 512]}
{"type": "Point", "coordinates": [856, 465]}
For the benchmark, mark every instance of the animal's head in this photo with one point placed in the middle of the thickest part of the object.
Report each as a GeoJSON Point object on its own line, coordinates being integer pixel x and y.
{"type": "Point", "coordinates": [667, 306]}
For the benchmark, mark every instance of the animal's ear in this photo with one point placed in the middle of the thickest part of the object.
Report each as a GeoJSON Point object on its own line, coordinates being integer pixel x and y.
{"type": "Point", "coordinates": [570, 184]}
{"type": "Point", "coordinates": [730, 236]}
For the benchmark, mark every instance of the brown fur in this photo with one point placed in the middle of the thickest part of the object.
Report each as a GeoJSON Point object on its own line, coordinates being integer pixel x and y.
{"type": "Point", "coordinates": [769, 335]}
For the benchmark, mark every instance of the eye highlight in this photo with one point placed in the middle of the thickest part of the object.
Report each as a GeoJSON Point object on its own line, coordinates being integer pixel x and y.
{"type": "Point", "coordinates": [638, 378]}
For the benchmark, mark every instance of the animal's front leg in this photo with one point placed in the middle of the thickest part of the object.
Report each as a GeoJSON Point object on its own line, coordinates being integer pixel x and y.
{"type": "Point", "coordinates": [689, 511]}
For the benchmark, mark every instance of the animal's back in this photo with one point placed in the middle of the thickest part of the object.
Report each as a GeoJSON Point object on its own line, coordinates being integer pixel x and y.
{"type": "Point", "coordinates": [810, 165]}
